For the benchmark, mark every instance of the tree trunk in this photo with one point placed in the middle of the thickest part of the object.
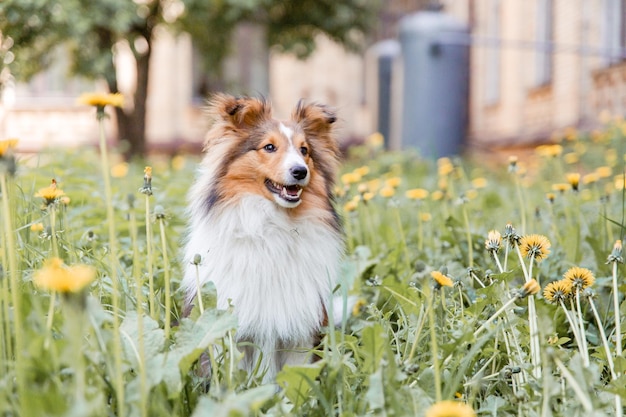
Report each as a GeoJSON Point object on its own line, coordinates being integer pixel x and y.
{"type": "Point", "coordinates": [131, 125]}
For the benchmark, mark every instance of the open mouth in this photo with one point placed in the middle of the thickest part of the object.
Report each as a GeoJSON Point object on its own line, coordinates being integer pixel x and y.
{"type": "Point", "coordinates": [289, 193]}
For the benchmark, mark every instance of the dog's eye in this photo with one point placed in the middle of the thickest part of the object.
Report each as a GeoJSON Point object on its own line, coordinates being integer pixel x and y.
{"type": "Point", "coordinates": [269, 148]}
{"type": "Point", "coordinates": [304, 151]}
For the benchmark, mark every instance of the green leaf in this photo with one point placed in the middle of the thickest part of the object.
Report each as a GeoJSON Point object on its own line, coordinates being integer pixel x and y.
{"type": "Point", "coordinates": [235, 405]}
{"type": "Point", "coordinates": [373, 344]}
{"type": "Point", "coordinates": [297, 381]}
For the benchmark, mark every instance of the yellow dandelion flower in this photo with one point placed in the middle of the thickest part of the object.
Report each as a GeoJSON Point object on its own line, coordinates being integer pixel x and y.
{"type": "Point", "coordinates": [471, 194]}
{"type": "Point", "coordinates": [362, 171]}
{"type": "Point", "coordinates": [494, 241]}
{"type": "Point", "coordinates": [350, 206]}
{"type": "Point", "coordinates": [36, 227]}
{"type": "Point", "coordinates": [573, 178]}
{"type": "Point", "coordinates": [571, 158]}
{"type": "Point", "coordinates": [102, 99]}
{"type": "Point", "coordinates": [560, 187]}
{"type": "Point", "coordinates": [557, 291]}
{"type": "Point", "coordinates": [550, 197]}
{"type": "Point", "coordinates": [339, 191]}
{"type": "Point", "coordinates": [532, 287]}
{"type": "Point", "coordinates": [374, 185]}
{"type": "Point", "coordinates": [590, 178]}
{"type": "Point", "coordinates": [610, 155]}
{"type": "Point", "coordinates": [441, 279]}
{"type": "Point", "coordinates": [387, 191]}
{"type": "Point", "coordinates": [147, 172]}
{"type": "Point", "coordinates": [450, 408]}
{"type": "Point", "coordinates": [65, 200]}
{"type": "Point", "coordinates": [571, 133]}
{"type": "Point", "coordinates": [416, 194]}
{"type": "Point", "coordinates": [479, 182]}
{"type": "Point", "coordinates": [513, 163]}
{"type": "Point", "coordinates": [375, 140]}
{"type": "Point", "coordinates": [7, 145]}
{"type": "Point", "coordinates": [604, 171]}
{"type": "Point", "coordinates": [437, 195]}
{"type": "Point", "coordinates": [550, 151]}
{"type": "Point", "coordinates": [358, 306]}
{"type": "Point", "coordinates": [350, 178]}
{"type": "Point", "coordinates": [362, 188]}
{"type": "Point", "coordinates": [535, 246]}
{"type": "Point", "coordinates": [50, 194]}
{"type": "Point", "coordinates": [119, 170]}
{"type": "Point", "coordinates": [444, 167]}
{"type": "Point", "coordinates": [368, 196]}
{"type": "Point", "coordinates": [580, 278]}
{"type": "Point", "coordinates": [393, 182]}
{"type": "Point", "coordinates": [56, 276]}
{"type": "Point", "coordinates": [426, 217]}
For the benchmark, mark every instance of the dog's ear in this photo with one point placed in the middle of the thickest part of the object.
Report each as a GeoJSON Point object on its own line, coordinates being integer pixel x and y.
{"type": "Point", "coordinates": [314, 118]}
{"type": "Point", "coordinates": [240, 112]}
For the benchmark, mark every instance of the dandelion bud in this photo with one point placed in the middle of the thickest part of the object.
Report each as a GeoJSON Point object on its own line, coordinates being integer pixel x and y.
{"type": "Point", "coordinates": [616, 253]}
{"type": "Point", "coordinates": [196, 259]}
{"type": "Point", "coordinates": [512, 164]}
{"type": "Point", "coordinates": [532, 287]}
{"type": "Point", "coordinates": [147, 182]}
{"type": "Point", "coordinates": [493, 242]}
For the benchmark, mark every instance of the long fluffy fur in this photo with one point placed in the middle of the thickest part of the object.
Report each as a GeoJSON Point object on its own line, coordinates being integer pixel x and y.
{"type": "Point", "coordinates": [275, 262]}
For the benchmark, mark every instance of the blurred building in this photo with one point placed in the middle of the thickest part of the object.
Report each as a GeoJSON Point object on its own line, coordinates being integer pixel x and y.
{"type": "Point", "coordinates": [536, 67]}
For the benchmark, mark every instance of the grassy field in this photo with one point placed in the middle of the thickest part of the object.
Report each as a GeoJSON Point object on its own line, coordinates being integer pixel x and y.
{"type": "Point", "coordinates": [486, 287]}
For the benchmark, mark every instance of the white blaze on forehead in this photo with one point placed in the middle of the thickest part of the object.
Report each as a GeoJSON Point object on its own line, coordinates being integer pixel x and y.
{"type": "Point", "coordinates": [288, 132]}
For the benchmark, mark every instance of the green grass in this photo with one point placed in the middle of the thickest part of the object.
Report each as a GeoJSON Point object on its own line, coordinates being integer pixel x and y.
{"type": "Point", "coordinates": [120, 348]}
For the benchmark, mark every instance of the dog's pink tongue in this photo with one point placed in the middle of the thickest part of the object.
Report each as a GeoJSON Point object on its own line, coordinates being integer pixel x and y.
{"type": "Point", "coordinates": [292, 190]}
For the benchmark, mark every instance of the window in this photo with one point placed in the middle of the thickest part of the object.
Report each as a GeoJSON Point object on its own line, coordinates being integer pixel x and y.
{"type": "Point", "coordinates": [492, 73]}
{"type": "Point", "coordinates": [544, 34]}
{"type": "Point", "coordinates": [614, 31]}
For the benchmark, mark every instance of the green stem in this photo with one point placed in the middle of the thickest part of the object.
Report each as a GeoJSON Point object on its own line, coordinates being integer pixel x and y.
{"type": "Point", "coordinates": [618, 327]}
{"type": "Point", "coordinates": [434, 349]}
{"type": "Point", "coordinates": [581, 323]}
{"type": "Point", "coordinates": [494, 315]}
{"type": "Point", "coordinates": [117, 345]}
{"type": "Point", "coordinates": [152, 300]}
{"type": "Point", "coordinates": [15, 294]}
{"type": "Point", "coordinates": [166, 277]}
{"type": "Point", "coordinates": [139, 307]}
{"type": "Point", "coordinates": [53, 231]}
{"type": "Point", "coordinates": [468, 235]}
{"type": "Point", "coordinates": [403, 240]}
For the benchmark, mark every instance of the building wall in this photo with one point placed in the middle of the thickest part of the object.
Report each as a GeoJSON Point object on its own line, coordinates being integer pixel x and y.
{"type": "Point", "coordinates": [528, 110]}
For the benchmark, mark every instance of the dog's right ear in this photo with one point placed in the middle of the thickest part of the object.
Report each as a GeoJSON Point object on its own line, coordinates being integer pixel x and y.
{"type": "Point", "coordinates": [239, 112]}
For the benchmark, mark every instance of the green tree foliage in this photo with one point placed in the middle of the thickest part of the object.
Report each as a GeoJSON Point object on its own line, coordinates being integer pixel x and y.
{"type": "Point", "coordinates": [32, 30]}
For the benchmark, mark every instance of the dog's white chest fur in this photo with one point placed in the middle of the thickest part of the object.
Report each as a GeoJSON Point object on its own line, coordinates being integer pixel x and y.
{"type": "Point", "coordinates": [277, 271]}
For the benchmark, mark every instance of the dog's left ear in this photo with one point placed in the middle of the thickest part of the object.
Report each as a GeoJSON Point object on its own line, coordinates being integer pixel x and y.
{"type": "Point", "coordinates": [315, 119]}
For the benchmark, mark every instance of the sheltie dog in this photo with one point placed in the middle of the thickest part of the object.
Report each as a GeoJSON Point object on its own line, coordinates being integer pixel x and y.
{"type": "Point", "coordinates": [262, 220]}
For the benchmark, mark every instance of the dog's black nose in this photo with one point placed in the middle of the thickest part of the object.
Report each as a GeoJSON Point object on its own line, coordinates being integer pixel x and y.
{"type": "Point", "coordinates": [299, 172]}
